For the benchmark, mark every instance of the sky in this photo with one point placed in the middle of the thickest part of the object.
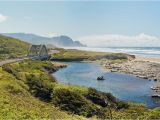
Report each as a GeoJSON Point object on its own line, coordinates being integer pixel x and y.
{"type": "Point", "coordinates": [95, 23]}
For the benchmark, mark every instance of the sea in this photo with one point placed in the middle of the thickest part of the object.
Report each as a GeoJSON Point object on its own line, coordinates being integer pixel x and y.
{"type": "Point", "coordinates": [149, 52]}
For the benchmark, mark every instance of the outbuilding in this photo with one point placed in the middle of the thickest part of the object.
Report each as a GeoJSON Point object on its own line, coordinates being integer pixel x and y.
{"type": "Point", "coordinates": [38, 52]}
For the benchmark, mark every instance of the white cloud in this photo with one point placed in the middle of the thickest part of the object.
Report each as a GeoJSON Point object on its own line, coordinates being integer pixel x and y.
{"type": "Point", "coordinates": [50, 35]}
{"type": "Point", "coordinates": [117, 40]}
{"type": "Point", "coordinates": [3, 18]}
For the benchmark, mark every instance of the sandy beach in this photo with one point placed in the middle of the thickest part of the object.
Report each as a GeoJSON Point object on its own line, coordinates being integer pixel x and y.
{"type": "Point", "coordinates": [154, 60]}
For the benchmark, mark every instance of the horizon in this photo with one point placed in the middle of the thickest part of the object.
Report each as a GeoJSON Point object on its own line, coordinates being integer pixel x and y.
{"type": "Point", "coordinates": [98, 24]}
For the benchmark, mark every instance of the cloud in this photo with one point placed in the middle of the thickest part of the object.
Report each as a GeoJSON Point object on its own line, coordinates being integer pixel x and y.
{"type": "Point", "coordinates": [50, 35]}
{"type": "Point", "coordinates": [3, 18]}
{"type": "Point", "coordinates": [117, 40]}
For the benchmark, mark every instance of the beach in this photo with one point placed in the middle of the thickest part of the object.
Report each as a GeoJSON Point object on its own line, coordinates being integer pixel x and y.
{"type": "Point", "coordinates": [154, 60]}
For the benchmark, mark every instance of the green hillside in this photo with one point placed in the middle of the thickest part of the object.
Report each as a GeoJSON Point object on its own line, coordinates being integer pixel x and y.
{"type": "Point", "coordinates": [11, 48]}
{"type": "Point", "coordinates": [17, 98]}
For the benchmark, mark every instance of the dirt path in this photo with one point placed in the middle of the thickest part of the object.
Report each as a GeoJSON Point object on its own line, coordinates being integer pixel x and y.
{"type": "Point", "coordinates": [12, 61]}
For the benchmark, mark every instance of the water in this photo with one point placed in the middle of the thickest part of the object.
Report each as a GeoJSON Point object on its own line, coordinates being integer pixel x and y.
{"type": "Point", "coordinates": [125, 87]}
{"type": "Point", "coordinates": [153, 52]}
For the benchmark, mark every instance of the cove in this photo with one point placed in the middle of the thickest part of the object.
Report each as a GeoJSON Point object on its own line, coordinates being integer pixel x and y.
{"type": "Point", "coordinates": [124, 87]}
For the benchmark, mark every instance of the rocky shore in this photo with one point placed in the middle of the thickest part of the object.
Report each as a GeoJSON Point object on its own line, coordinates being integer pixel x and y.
{"type": "Point", "coordinates": [54, 67]}
{"type": "Point", "coordinates": [139, 68]}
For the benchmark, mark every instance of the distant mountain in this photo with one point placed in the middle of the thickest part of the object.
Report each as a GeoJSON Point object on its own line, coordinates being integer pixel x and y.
{"type": "Point", "coordinates": [60, 41]}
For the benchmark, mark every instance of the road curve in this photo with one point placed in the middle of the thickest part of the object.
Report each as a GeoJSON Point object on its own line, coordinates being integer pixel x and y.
{"type": "Point", "coordinates": [12, 61]}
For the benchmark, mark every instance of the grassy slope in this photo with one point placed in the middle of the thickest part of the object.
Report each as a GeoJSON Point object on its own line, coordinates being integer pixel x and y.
{"type": "Point", "coordinates": [10, 47]}
{"type": "Point", "coordinates": [17, 102]}
{"type": "Point", "coordinates": [21, 84]}
{"type": "Point", "coordinates": [78, 55]}
{"type": "Point", "coordinates": [40, 85]}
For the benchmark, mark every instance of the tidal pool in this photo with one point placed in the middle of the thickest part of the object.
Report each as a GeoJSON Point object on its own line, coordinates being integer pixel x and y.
{"type": "Point", "coordinates": [125, 87]}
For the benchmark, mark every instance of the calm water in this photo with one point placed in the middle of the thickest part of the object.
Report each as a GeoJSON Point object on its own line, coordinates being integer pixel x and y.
{"type": "Point", "coordinates": [124, 87]}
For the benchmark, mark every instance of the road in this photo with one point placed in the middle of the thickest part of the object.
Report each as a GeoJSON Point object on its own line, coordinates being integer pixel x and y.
{"type": "Point", "coordinates": [12, 60]}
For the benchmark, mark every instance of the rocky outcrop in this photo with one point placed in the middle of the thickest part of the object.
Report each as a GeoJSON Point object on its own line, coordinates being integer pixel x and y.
{"type": "Point", "coordinates": [54, 67]}
{"type": "Point", "coordinates": [141, 69]}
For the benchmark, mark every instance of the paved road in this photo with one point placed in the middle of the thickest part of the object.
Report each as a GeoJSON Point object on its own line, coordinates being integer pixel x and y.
{"type": "Point", "coordinates": [12, 60]}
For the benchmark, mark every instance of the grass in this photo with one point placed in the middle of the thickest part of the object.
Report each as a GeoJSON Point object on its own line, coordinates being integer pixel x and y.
{"type": "Point", "coordinates": [29, 92]}
{"type": "Point", "coordinates": [16, 102]}
{"type": "Point", "coordinates": [12, 48]}
{"type": "Point", "coordinates": [79, 55]}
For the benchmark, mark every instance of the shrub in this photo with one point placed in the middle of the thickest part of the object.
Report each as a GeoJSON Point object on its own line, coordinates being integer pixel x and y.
{"type": "Point", "coordinates": [110, 97]}
{"type": "Point", "coordinates": [100, 98]}
{"type": "Point", "coordinates": [96, 97]}
{"type": "Point", "coordinates": [73, 102]}
{"type": "Point", "coordinates": [8, 68]}
{"type": "Point", "coordinates": [38, 87]}
{"type": "Point", "coordinates": [14, 89]}
{"type": "Point", "coordinates": [122, 105]}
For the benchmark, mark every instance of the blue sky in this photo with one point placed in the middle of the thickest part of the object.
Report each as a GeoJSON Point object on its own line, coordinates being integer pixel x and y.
{"type": "Point", "coordinates": [82, 20]}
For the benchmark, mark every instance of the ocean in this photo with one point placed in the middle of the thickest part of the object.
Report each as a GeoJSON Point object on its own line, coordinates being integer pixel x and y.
{"type": "Point", "coordinates": [150, 52]}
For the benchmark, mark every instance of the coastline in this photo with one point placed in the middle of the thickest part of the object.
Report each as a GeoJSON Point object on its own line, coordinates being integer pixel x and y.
{"type": "Point", "coordinates": [142, 67]}
{"type": "Point", "coordinates": [148, 59]}
{"type": "Point", "coordinates": [145, 68]}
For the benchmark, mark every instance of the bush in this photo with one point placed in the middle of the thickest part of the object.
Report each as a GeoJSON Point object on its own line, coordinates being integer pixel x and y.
{"type": "Point", "coordinates": [110, 97]}
{"type": "Point", "coordinates": [122, 105]}
{"type": "Point", "coordinates": [73, 102]}
{"type": "Point", "coordinates": [100, 98]}
{"type": "Point", "coordinates": [96, 97]}
{"type": "Point", "coordinates": [8, 68]}
{"type": "Point", "coordinates": [14, 89]}
{"type": "Point", "coordinates": [38, 87]}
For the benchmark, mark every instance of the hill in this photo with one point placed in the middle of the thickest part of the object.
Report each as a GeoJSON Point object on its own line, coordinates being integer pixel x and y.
{"type": "Point", "coordinates": [16, 97]}
{"type": "Point", "coordinates": [11, 47]}
{"type": "Point", "coordinates": [59, 41]}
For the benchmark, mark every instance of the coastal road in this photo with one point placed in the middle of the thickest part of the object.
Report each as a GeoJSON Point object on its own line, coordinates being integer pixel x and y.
{"type": "Point", "coordinates": [12, 60]}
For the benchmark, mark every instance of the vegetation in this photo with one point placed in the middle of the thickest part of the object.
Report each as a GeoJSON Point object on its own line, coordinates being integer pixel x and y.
{"type": "Point", "coordinates": [79, 55]}
{"type": "Point", "coordinates": [40, 84]}
{"type": "Point", "coordinates": [11, 48]}
{"type": "Point", "coordinates": [29, 92]}
{"type": "Point", "coordinates": [17, 101]}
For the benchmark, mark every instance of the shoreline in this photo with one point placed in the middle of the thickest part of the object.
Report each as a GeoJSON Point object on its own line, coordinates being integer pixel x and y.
{"type": "Point", "coordinates": [145, 68]}
{"type": "Point", "coordinates": [101, 67]}
{"type": "Point", "coordinates": [146, 59]}
{"type": "Point", "coordinates": [142, 67]}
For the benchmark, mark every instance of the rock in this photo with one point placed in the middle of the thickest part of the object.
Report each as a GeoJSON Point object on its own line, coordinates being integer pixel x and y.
{"type": "Point", "coordinates": [142, 69]}
{"type": "Point", "coordinates": [100, 78]}
{"type": "Point", "coordinates": [113, 70]}
{"type": "Point", "coordinates": [155, 79]}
